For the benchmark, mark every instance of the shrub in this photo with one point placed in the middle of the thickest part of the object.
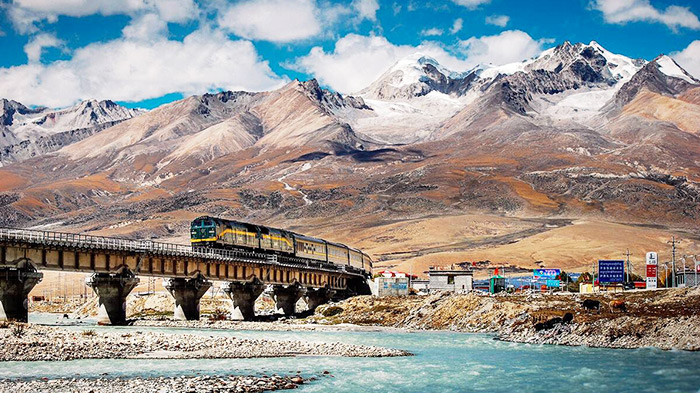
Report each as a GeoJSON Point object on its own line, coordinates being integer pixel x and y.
{"type": "Point", "coordinates": [18, 330]}
{"type": "Point", "coordinates": [218, 314]}
{"type": "Point", "coordinates": [89, 333]}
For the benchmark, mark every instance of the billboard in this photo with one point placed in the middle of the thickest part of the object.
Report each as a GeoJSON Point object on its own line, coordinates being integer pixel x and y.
{"type": "Point", "coordinates": [652, 270]}
{"type": "Point", "coordinates": [546, 273]}
{"type": "Point", "coordinates": [611, 271]}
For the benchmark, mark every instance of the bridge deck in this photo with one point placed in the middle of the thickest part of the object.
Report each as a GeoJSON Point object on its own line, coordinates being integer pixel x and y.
{"type": "Point", "coordinates": [89, 253]}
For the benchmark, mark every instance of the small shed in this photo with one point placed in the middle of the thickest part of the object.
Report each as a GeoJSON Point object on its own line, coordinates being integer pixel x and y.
{"type": "Point", "coordinates": [420, 285]}
{"type": "Point", "coordinates": [497, 283]}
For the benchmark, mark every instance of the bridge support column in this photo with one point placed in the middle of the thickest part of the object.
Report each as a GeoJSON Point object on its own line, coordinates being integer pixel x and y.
{"type": "Point", "coordinates": [243, 295]}
{"type": "Point", "coordinates": [15, 285]}
{"type": "Point", "coordinates": [187, 292]}
{"type": "Point", "coordinates": [112, 290]}
{"type": "Point", "coordinates": [286, 298]}
{"type": "Point", "coordinates": [317, 297]}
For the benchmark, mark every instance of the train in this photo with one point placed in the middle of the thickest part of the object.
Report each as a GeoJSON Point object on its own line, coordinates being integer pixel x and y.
{"type": "Point", "coordinates": [214, 232]}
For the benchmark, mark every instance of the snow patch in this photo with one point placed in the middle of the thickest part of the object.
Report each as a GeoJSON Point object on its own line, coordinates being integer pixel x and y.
{"type": "Point", "coordinates": [670, 68]}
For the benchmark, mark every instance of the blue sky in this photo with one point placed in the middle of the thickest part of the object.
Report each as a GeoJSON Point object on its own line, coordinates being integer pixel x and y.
{"type": "Point", "coordinates": [148, 52]}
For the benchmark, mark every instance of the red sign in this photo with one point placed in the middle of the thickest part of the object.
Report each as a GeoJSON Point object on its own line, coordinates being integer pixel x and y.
{"type": "Point", "coordinates": [651, 270]}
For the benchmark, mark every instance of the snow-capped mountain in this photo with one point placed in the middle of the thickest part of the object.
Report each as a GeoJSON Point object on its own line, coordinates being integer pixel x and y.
{"type": "Point", "coordinates": [662, 76]}
{"type": "Point", "coordinates": [414, 76]}
{"type": "Point", "coordinates": [27, 132]}
{"type": "Point", "coordinates": [570, 82]}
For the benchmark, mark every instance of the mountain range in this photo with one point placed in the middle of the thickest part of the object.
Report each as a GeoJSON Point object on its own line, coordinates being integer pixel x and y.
{"type": "Point", "coordinates": [426, 165]}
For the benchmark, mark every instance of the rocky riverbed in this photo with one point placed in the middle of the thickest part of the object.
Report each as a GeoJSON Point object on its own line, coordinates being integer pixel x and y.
{"type": "Point", "coordinates": [32, 342]}
{"type": "Point", "coordinates": [286, 325]}
{"type": "Point", "coordinates": [666, 319]}
{"type": "Point", "coordinates": [184, 384]}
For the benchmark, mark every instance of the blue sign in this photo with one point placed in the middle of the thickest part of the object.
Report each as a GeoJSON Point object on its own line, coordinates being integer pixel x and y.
{"type": "Point", "coordinates": [611, 271]}
{"type": "Point", "coordinates": [553, 283]}
{"type": "Point", "coordinates": [546, 273]}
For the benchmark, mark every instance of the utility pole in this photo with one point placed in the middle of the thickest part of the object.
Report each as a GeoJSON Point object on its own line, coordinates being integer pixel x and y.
{"type": "Point", "coordinates": [673, 262]}
{"type": "Point", "coordinates": [684, 280]}
{"type": "Point", "coordinates": [628, 264]}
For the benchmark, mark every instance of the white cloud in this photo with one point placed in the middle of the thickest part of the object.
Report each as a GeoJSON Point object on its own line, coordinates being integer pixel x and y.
{"type": "Point", "coordinates": [24, 14]}
{"type": "Point", "coordinates": [622, 11]}
{"type": "Point", "coordinates": [471, 4]}
{"type": "Point", "coordinates": [272, 20]}
{"type": "Point", "coordinates": [432, 32]}
{"type": "Point", "coordinates": [146, 27]}
{"type": "Point", "coordinates": [507, 47]}
{"type": "Point", "coordinates": [291, 20]}
{"type": "Point", "coordinates": [366, 9]}
{"type": "Point", "coordinates": [358, 60]}
{"type": "Point", "coordinates": [134, 70]}
{"type": "Point", "coordinates": [456, 26]}
{"type": "Point", "coordinates": [689, 58]}
{"type": "Point", "coordinates": [37, 43]}
{"type": "Point", "coordinates": [498, 20]}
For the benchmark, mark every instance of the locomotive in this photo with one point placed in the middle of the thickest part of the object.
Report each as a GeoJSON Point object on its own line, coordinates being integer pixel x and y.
{"type": "Point", "coordinates": [216, 232]}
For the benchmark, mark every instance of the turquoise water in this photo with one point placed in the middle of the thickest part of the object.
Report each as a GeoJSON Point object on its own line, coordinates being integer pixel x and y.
{"type": "Point", "coordinates": [444, 362]}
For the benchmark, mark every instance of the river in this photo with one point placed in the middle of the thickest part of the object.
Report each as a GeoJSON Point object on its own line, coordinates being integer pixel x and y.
{"type": "Point", "coordinates": [444, 362]}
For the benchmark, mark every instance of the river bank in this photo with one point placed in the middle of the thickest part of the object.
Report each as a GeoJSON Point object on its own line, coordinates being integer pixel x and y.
{"type": "Point", "coordinates": [197, 384]}
{"type": "Point", "coordinates": [36, 342]}
{"type": "Point", "coordinates": [665, 319]}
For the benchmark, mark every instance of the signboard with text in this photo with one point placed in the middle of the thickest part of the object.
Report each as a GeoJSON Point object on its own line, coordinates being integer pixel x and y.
{"type": "Point", "coordinates": [652, 270]}
{"type": "Point", "coordinates": [546, 273]}
{"type": "Point", "coordinates": [611, 271]}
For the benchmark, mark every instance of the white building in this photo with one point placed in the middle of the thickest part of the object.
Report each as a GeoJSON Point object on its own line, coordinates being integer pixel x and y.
{"type": "Point", "coordinates": [460, 281]}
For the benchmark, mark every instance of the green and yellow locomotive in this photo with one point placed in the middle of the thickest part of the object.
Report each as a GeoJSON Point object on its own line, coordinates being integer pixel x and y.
{"type": "Point", "coordinates": [235, 235]}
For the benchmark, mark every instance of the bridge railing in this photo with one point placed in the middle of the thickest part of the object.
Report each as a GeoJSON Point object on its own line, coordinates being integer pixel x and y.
{"type": "Point", "coordinates": [115, 243]}
{"type": "Point", "coordinates": [50, 238]}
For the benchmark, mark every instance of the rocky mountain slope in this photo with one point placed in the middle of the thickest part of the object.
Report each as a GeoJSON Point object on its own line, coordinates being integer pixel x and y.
{"type": "Point", "coordinates": [425, 166]}
{"type": "Point", "coordinates": [179, 136]}
{"type": "Point", "coordinates": [29, 132]}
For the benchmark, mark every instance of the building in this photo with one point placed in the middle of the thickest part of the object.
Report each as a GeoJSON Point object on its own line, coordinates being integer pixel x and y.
{"type": "Point", "coordinates": [390, 283]}
{"type": "Point", "coordinates": [420, 285]}
{"type": "Point", "coordinates": [460, 281]}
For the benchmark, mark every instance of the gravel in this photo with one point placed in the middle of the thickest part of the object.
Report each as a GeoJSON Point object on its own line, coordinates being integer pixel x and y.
{"type": "Point", "coordinates": [57, 343]}
{"type": "Point", "coordinates": [189, 384]}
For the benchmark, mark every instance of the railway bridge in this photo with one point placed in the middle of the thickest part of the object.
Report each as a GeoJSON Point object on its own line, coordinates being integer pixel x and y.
{"type": "Point", "coordinates": [188, 273]}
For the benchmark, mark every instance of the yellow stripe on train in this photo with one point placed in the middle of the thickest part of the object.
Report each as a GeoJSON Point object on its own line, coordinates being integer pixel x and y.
{"type": "Point", "coordinates": [210, 239]}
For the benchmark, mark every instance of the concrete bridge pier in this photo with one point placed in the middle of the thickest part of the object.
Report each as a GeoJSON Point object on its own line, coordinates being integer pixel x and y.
{"type": "Point", "coordinates": [243, 295]}
{"type": "Point", "coordinates": [317, 297]}
{"type": "Point", "coordinates": [286, 298]}
{"type": "Point", "coordinates": [187, 292]}
{"type": "Point", "coordinates": [15, 285]}
{"type": "Point", "coordinates": [112, 290]}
